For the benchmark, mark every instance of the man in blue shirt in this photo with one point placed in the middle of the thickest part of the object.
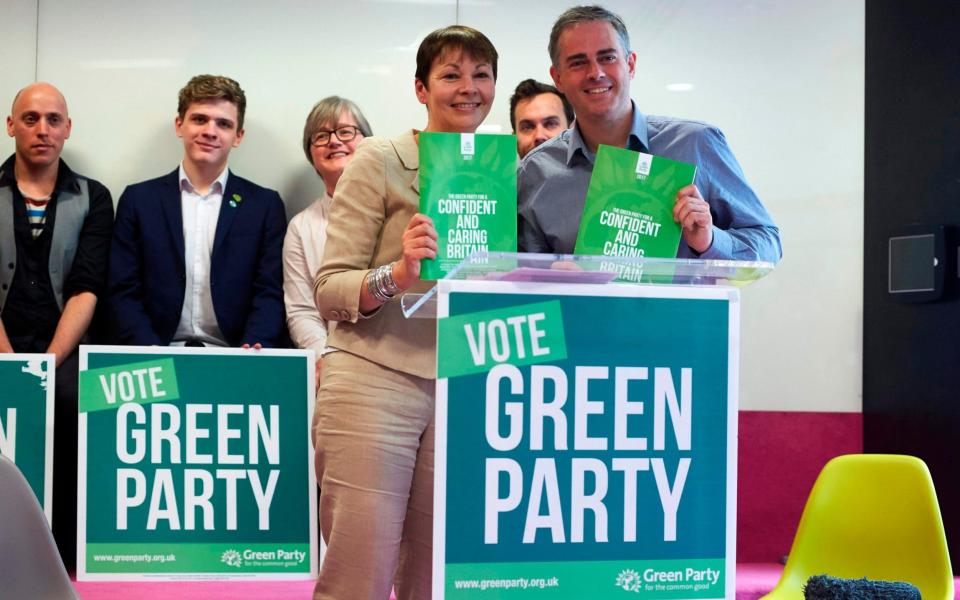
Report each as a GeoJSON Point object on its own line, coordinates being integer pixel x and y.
{"type": "Point", "coordinates": [592, 65]}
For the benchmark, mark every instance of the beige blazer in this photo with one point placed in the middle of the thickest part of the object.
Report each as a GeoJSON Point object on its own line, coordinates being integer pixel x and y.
{"type": "Point", "coordinates": [376, 197]}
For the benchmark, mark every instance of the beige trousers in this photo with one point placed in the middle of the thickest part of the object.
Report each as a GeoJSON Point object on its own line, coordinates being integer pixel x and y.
{"type": "Point", "coordinates": [373, 434]}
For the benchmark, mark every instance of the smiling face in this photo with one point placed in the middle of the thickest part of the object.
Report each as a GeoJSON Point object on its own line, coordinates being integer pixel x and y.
{"type": "Point", "coordinates": [593, 71]}
{"type": "Point", "coordinates": [538, 119]}
{"type": "Point", "coordinates": [39, 125]}
{"type": "Point", "coordinates": [458, 92]}
{"type": "Point", "coordinates": [330, 160]}
{"type": "Point", "coordinates": [209, 131]}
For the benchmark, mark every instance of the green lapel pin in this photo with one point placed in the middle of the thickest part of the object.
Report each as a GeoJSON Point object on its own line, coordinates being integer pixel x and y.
{"type": "Point", "coordinates": [236, 200]}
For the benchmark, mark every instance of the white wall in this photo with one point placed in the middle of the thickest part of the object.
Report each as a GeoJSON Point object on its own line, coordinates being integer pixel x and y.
{"type": "Point", "coordinates": [18, 48]}
{"type": "Point", "coordinates": [783, 79]}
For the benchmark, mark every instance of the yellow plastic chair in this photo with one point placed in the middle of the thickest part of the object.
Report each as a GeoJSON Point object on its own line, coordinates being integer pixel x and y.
{"type": "Point", "coordinates": [873, 516]}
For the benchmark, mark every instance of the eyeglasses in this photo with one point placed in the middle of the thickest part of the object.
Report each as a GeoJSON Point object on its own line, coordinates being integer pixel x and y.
{"type": "Point", "coordinates": [344, 134]}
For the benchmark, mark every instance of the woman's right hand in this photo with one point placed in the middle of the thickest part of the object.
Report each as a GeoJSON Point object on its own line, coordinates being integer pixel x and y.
{"type": "Point", "coordinates": [419, 242]}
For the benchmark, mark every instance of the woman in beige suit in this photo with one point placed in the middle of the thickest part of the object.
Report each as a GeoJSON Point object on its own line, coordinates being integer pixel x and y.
{"type": "Point", "coordinates": [374, 424]}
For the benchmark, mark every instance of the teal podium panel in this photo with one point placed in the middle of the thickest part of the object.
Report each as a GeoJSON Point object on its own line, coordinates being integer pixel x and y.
{"type": "Point", "coordinates": [586, 441]}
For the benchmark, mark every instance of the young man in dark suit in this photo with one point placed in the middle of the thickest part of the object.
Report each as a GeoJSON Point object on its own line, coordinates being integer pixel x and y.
{"type": "Point", "coordinates": [196, 254]}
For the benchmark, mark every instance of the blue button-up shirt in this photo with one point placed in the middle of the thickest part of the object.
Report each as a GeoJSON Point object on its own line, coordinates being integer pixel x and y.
{"type": "Point", "coordinates": [552, 183]}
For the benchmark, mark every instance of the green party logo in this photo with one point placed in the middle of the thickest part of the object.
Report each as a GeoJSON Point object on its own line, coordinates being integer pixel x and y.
{"type": "Point", "coordinates": [231, 558]}
{"type": "Point", "coordinates": [237, 558]}
{"type": "Point", "coordinates": [629, 581]}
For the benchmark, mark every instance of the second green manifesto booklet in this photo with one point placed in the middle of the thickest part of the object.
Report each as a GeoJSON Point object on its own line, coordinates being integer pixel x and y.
{"type": "Point", "coordinates": [468, 186]}
{"type": "Point", "coordinates": [629, 206]}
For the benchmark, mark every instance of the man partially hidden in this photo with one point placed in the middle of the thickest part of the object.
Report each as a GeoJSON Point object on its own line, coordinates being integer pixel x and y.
{"type": "Point", "coordinates": [538, 112]}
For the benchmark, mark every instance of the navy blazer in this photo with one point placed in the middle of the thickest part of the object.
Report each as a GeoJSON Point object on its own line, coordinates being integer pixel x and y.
{"type": "Point", "coordinates": [147, 273]}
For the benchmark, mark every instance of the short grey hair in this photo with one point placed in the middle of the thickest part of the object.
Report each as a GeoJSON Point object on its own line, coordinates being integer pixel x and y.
{"type": "Point", "coordinates": [329, 110]}
{"type": "Point", "coordinates": [585, 14]}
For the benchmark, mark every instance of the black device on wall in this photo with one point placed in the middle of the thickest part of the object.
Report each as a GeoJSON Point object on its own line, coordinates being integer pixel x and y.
{"type": "Point", "coordinates": [916, 263]}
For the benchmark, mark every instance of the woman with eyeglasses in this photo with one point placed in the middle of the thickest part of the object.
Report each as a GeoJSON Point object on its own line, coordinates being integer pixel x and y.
{"type": "Point", "coordinates": [333, 129]}
{"type": "Point", "coordinates": [374, 426]}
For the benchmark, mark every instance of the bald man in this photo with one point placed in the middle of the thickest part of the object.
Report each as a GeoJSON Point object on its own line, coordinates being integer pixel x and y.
{"type": "Point", "coordinates": [55, 228]}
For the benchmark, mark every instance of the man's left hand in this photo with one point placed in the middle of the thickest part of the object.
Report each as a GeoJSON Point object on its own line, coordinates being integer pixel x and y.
{"type": "Point", "coordinates": [692, 212]}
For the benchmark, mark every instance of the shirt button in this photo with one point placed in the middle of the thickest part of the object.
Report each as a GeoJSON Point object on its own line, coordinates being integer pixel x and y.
{"type": "Point", "coordinates": [10, 265]}
{"type": "Point", "coordinates": [4, 286]}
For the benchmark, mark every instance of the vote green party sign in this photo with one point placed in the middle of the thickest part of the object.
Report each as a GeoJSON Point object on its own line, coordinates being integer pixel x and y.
{"type": "Point", "coordinates": [196, 462]}
{"type": "Point", "coordinates": [26, 420]}
{"type": "Point", "coordinates": [585, 441]}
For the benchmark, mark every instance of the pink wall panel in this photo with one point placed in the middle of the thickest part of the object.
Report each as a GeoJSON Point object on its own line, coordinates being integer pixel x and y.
{"type": "Point", "coordinates": [780, 456]}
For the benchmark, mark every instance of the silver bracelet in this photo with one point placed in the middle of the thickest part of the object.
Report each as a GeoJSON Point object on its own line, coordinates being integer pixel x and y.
{"type": "Point", "coordinates": [374, 289]}
{"type": "Point", "coordinates": [389, 284]}
{"type": "Point", "coordinates": [381, 285]}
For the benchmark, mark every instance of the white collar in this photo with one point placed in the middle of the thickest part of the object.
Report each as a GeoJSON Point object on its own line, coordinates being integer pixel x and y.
{"type": "Point", "coordinates": [220, 182]}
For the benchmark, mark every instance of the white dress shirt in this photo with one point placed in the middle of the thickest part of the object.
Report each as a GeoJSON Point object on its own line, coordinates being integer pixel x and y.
{"type": "Point", "coordinates": [302, 255]}
{"type": "Point", "coordinates": [200, 213]}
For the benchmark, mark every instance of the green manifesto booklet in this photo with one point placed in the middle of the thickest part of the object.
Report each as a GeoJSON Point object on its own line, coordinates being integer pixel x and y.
{"type": "Point", "coordinates": [468, 186]}
{"type": "Point", "coordinates": [629, 206]}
